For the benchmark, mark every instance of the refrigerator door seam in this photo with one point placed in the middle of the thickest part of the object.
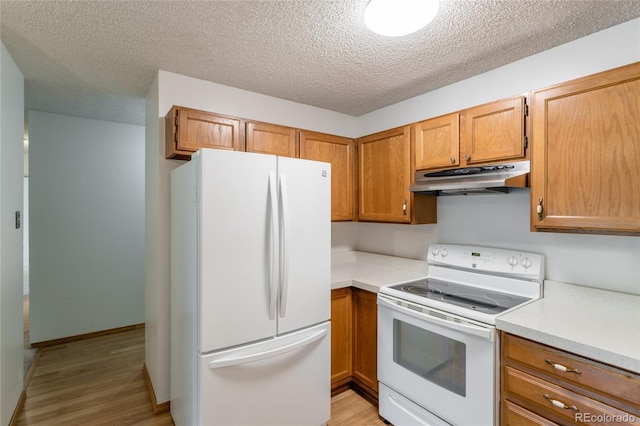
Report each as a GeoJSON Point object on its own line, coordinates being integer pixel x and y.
{"type": "Point", "coordinates": [284, 245]}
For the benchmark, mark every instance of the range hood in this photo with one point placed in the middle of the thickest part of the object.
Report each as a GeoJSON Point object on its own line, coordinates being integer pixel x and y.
{"type": "Point", "coordinates": [494, 178]}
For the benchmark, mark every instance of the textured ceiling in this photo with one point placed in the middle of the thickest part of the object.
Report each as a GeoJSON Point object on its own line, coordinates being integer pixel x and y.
{"type": "Point", "coordinates": [96, 58]}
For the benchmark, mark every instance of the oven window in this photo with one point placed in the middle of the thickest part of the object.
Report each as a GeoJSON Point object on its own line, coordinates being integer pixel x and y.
{"type": "Point", "coordinates": [433, 357]}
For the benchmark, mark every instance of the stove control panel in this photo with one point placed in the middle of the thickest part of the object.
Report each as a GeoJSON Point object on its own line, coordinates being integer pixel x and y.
{"type": "Point", "coordinates": [488, 259]}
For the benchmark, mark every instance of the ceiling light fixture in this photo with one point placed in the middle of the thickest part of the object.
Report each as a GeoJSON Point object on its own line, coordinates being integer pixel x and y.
{"type": "Point", "coordinates": [395, 18]}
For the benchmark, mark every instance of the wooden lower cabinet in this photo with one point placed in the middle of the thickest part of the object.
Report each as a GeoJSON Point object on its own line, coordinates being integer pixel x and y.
{"type": "Point", "coordinates": [365, 341]}
{"type": "Point", "coordinates": [541, 385]}
{"type": "Point", "coordinates": [515, 415]}
{"type": "Point", "coordinates": [341, 337]}
{"type": "Point", "coordinates": [354, 342]}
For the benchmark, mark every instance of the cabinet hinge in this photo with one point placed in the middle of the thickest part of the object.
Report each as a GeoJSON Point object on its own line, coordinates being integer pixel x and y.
{"type": "Point", "coordinates": [526, 110]}
{"type": "Point", "coordinates": [525, 139]}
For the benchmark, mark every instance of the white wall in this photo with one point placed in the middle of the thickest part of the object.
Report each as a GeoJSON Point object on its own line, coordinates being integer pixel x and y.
{"type": "Point", "coordinates": [607, 262]}
{"type": "Point", "coordinates": [87, 225]}
{"type": "Point", "coordinates": [157, 272]}
{"type": "Point", "coordinates": [11, 332]}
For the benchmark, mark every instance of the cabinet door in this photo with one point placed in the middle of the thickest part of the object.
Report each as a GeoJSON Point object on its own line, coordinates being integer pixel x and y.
{"type": "Point", "coordinates": [341, 337]}
{"type": "Point", "coordinates": [604, 382]}
{"type": "Point", "coordinates": [339, 152]}
{"type": "Point", "coordinates": [437, 142]}
{"type": "Point", "coordinates": [187, 130]}
{"type": "Point", "coordinates": [556, 403]}
{"type": "Point", "coordinates": [514, 415]}
{"type": "Point", "coordinates": [493, 131]}
{"type": "Point", "coordinates": [267, 138]}
{"type": "Point", "coordinates": [365, 340]}
{"type": "Point", "coordinates": [586, 154]}
{"type": "Point", "coordinates": [384, 176]}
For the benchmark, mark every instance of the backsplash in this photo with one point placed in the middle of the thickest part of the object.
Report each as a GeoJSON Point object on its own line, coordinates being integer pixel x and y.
{"type": "Point", "coordinates": [600, 261]}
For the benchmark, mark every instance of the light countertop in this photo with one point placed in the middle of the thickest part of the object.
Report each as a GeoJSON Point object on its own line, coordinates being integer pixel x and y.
{"type": "Point", "coordinates": [597, 324]}
{"type": "Point", "coordinates": [369, 271]}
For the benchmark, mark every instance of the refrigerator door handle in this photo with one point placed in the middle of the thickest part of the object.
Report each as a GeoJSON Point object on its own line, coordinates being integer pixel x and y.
{"type": "Point", "coordinates": [273, 249]}
{"type": "Point", "coordinates": [284, 244]}
{"type": "Point", "coordinates": [244, 359]}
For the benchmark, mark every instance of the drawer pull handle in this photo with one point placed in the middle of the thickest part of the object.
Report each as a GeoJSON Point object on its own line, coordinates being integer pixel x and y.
{"type": "Point", "coordinates": [562, 368]}
{"type": "Point", "coordinates": [560, 404]}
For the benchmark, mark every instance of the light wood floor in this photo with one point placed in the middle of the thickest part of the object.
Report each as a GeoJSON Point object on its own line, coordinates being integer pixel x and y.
{"type": "Point", "coordinates": [99, 381]}
{"type": "Point", "coordinates": [350, 409]}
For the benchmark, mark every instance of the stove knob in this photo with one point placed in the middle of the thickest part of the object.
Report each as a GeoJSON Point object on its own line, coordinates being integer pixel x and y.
{"type": "Point", "coordinates": [444, 252]}
{"type": "Point", "coordinates": [435, 251]}
{"type": "Point", "coordinates": [512, 261]}
{"type": "Point", "coordinates": [526, 263]}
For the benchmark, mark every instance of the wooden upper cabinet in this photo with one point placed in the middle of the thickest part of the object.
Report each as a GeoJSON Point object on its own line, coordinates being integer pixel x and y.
{"type": "Point", "coordinates": [340, 152]}
{"type": "Point", "coordinates": [384, 176]}
{"type": "Point", "coordinates": [586, 154]}
{"type": "Point", "coordinates": [437, 142]}
{"type": "Point", "coordinates": [493, 131]}
{"type": "Point", "coordinates": [273, 139]}
{"type": "Point", "coordinates": [187, 130]}
{"type": "Point", "coordinates": [489, 133]}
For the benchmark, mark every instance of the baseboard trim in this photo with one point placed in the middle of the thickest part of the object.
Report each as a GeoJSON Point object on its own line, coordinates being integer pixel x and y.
{"type": "Point", "coordinates": [25, 385]}
{"type": "Point", "coordinates": [338, 389]}
{"type": "Point", "coordinates": [86, 336]}
{"type": "Point", "coordinates": [162, 407]}
{"type": "Point", "coordinates": [18, 410]}
{"type": "Point", "coordinates": [365, 392]}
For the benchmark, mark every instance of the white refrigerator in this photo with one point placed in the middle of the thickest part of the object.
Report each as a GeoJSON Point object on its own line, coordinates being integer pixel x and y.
{"type": "Point", "coordinates": [250, 290]}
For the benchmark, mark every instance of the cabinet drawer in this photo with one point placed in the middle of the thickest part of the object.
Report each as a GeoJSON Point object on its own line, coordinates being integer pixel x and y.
{"type": "Point", "coordinates": [560, 404]}
{"type": "Point", "coordinates": [515, 415]}
{"type": "Point", "coordinates": [600, 381]}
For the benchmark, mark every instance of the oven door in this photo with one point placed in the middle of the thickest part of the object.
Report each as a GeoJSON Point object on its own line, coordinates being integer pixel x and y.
{"type": "Point", "coordinates": [444, 363]}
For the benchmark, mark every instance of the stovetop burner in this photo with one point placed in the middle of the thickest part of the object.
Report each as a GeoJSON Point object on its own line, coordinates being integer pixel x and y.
{"type": "Point", "coordinates": [474, 298]}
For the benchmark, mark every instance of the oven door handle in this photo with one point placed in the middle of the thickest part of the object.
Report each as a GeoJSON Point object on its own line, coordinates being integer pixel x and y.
{"type": "Point", "coordinates": [422, 313]}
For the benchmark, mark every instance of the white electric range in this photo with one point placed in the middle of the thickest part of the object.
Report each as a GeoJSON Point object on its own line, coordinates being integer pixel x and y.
{"type": "Point", "coordinates": [437, 342]}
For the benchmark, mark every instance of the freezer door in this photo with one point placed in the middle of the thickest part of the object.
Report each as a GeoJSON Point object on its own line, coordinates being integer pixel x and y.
{"type": "Point", "coordinates": [305, 243]}
{"type": "Point", "coordinates": [281, 381]}
{"type": "Point", "coordinates": [238, 240]}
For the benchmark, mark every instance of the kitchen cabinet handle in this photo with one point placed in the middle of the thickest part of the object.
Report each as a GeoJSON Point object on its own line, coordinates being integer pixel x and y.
{"type": "Point", "coordinates": [539, 208]}
{"type": "Point", "coordinates": [560, 404]}
{"type": "Point", "coordinates": [453, 160]}
{"type": "Point", "coordinates": [450, 321]}
{"type": "Point", "coordinates": [467, 157]}
{"type": "Point", "coordinates": [562, 368]}
{"type": "Point", "coordinates": [231, 359]}
{"type": "Point", "coordinates": [274, 261]}
{"type": "Point", "coordinates": [404, 208]}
